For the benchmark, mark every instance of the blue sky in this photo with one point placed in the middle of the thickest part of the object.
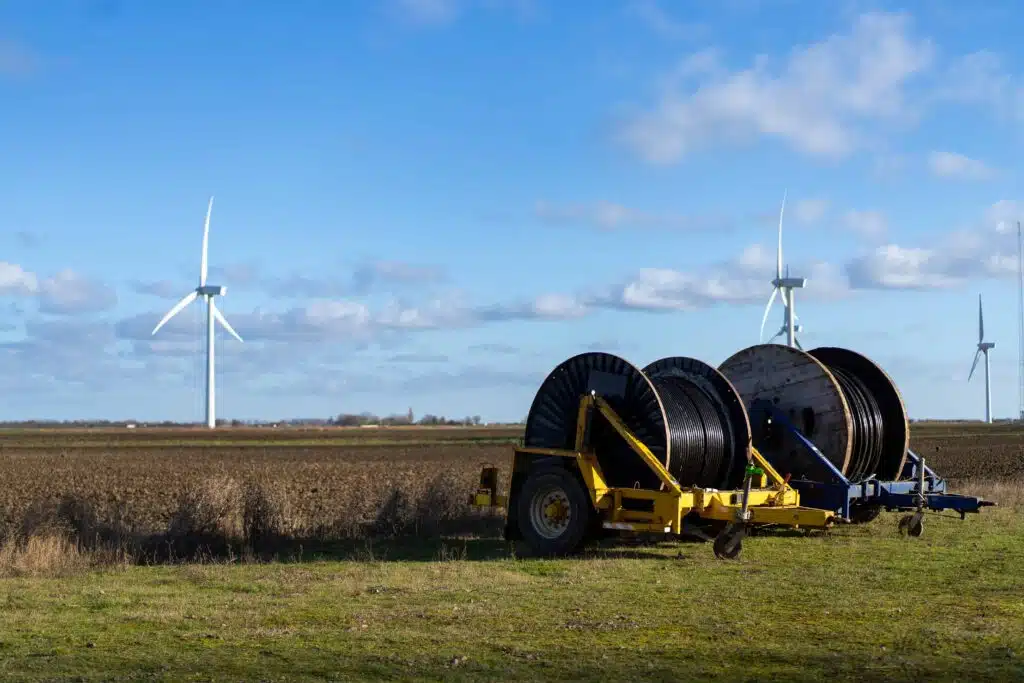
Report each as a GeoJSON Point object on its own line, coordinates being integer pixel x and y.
{"type": "Point", "coordinates": [431, 203]}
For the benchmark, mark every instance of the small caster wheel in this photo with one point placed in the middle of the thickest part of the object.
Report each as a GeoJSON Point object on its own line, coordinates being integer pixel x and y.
{"type": "Point", "coordinates": [912, 525]}
{"type": "Point", "coordinates": [863, 514]}
{"type": "Point", "coordinates": [916, 527]}
{"type": "Point", "coordinates": [729, 542]}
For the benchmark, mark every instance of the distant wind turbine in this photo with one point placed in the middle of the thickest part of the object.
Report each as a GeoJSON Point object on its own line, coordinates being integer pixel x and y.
{"type": "Point", "coordinates": [983, 348]}
{"type": "Point", "coordinates": [786, 285]}
{"type": "Point", "coordinates": [209, 292]}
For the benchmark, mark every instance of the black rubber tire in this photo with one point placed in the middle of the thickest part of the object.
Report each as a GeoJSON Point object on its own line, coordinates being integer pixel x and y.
{"type": "Point", "coordinates": [581, 512]}
{"type": "Point", "coordinates": [912, 525]}
{"type": "Point", "coordinates": [916, 527]}
{"type": "Point", "coordinates": [862, 514]}
{"type": "Point", "coordinates": [729, 542]}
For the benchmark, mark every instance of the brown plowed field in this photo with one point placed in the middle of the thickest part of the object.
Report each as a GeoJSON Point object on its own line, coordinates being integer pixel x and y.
{"type": "Point", "coordinates": [335, 473]}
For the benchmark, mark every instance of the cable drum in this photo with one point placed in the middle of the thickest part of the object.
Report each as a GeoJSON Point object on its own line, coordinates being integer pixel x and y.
{"type": "Point", "coordinates": [685, 412]}
{"type": "Point", "coordinates": [709, 432]}
{"type": "Point", "coordinates": [866, 446]}
{"type": "Point", "coordinates": [695, 429]}
{"type": "Point", "coordinates": [840, 400]}
{"type": "Point", "coordinates": [882, 425]}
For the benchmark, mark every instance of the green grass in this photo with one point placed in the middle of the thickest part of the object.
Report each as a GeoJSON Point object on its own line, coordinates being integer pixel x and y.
{"type": "Point", "coordinates": [860, 603]}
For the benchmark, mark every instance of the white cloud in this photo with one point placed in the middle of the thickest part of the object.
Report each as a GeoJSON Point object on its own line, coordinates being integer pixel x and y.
{"type": "Point", "coordinates": [743, 280]}
{"type": "Point", "coordinates": [66, 293]}
{"type": "Point", "coordinates": [895, 267]}
{"type": "Point", "coordinates": [1004, 215]}
{"type": "Point", "coordinates": [953, 165]}
{"type": "Point", "coordinates": [558, 307]}
{"type": "Point", "coordinates": [981, 79]}
{"type": "Point", "coordinates": [817, 101]}
{"type": "Point", "coordinates": [16, 280]}
{"type": "Point", "coordinates": [986, 252]}
{"type": "Point", "coordinates": [71, 293]}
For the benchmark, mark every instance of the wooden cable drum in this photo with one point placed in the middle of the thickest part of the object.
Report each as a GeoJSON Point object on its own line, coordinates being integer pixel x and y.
{"type": "Point", "coordinates": [684, 411]}
{"type": "Point", "coordinates": [840, 400]}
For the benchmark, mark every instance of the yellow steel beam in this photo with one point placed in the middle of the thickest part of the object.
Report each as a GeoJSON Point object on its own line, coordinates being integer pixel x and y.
{"type": "Point", "coordinates": [636, 444]}
{"type": "Point", "coordinates": [772, 473]}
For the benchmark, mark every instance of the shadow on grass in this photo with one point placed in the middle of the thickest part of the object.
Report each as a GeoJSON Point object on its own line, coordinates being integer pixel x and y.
{"type": "Point", "coordinates": [405, 549]}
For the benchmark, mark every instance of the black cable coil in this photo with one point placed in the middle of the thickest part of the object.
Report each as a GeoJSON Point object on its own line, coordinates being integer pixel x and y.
{"type": "Point", "coordinates": [868, 426]}
{"type": "Point", "coordinates": [700, 435]}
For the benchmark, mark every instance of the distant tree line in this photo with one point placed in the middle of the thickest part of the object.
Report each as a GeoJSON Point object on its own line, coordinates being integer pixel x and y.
{"type": "Point", "coordinates": [342, 420]}
{"type": "Point", "coordinates": [365, 419]}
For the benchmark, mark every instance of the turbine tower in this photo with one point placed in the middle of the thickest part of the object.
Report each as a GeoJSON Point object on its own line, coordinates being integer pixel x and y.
{"type": "Point", "coordinates": [208, 292]}
{"type": "Point", "coordinates": [786, 285]}
{"type": "Point", "coordinates": [983, 348]}
{"type": "Point", "coordinates": [1020, 323]}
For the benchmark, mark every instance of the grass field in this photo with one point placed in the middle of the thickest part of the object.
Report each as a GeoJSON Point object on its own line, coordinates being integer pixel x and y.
{"type": "Point", "coordinates": [373, 568]}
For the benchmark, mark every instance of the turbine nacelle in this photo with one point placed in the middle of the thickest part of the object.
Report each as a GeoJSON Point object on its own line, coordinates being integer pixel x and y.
{"type": "Point", "coordinates": [789, 282]}
{"type": "Point", "coordinates": [211, 290]}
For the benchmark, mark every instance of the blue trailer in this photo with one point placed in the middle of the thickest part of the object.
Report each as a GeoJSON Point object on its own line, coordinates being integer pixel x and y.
{"type": "Point", "coordinates": [822, 485]}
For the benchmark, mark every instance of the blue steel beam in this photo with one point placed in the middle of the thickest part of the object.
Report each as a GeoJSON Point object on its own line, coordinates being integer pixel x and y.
{"type": "Point", "coordinates": [835, 492]}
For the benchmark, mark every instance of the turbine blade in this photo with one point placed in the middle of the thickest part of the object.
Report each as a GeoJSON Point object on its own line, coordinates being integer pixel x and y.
{"type": "Point", "coordinates": [224, 321]}
{"type": "Point", "coordinates": [206, 243]}
{"type": "Point", "coordinates": [977, 354]}
{"type": "Point", "coordinates": [778, 270]}
{"type": "Point", "coordinates": [767, 309]}
{"type": "Point", "coordinates": [185, 301]}
{"type": "Point", "coordinates": [797, 342]}
{"type": "Point", "coordinates": [981, 322]}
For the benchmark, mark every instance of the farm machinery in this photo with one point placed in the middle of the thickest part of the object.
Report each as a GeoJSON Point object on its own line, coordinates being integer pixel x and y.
{"type": "Point", "coordinates": [773, 437]}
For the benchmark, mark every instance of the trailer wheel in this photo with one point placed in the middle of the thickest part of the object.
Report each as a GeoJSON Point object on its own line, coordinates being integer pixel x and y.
{"type": "Point", "coordinates": [913, 524]}
{"type": "Point", "coordinates": [862, 514]}
{"type": "Point", "coordinates": [554, 512]}
{"type": "Point", "coordinates": [729, 541]}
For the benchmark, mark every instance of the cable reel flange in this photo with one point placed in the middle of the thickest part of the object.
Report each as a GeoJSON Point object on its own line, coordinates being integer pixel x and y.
{"type": "Point", "coordinates": [551, 422]}
{"type": "Point", "coordinates": [896, 427]}
{"type": "Point", "coordinates": [803, 388]}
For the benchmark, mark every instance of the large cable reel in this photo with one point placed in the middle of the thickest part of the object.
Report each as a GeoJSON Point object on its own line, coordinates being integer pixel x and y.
{"type": "Point", "coordinates": [686, 412]}
{"type": "Point", "coordinates": [839, 399]}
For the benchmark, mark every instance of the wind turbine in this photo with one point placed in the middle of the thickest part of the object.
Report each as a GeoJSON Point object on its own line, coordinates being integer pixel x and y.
{"type": "Point", "coordinates": [786, 285]}
{"type": "Point", "coordinates": [208, 292]}
{"type": "Point", "coordinates": [983, 348]}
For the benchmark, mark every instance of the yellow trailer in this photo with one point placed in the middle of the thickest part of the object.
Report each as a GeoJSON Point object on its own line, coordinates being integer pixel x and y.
{"type": "Point", "coordinates": [559, 498]}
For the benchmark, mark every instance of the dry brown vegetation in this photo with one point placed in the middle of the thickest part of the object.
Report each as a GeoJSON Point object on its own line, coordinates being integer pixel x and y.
{"type": "Point", "coordinates": [72, 498]}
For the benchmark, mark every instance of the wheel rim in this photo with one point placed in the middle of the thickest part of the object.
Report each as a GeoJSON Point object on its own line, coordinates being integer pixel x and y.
{"type": "Point", "coordinates": [550, 512]}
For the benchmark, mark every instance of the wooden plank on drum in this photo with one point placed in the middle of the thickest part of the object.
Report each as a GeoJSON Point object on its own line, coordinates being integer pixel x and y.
{"type": "Point", "coordinates": [801, 387]}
